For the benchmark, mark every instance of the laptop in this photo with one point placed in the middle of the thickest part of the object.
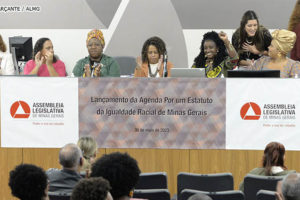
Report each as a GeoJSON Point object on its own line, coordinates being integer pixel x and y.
{"type": "Point", "coordinates": [188, 72]}
{"type": "Point", "coordinates": [254, 73]}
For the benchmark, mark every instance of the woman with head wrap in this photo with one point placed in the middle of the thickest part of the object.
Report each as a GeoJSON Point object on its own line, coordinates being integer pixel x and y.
{"type": "Point", "coordinates": [294, 25]}
{"type": "Point", "coordinates": [96, 64]}
{"type": "Point", "coordinates": [282, 43]}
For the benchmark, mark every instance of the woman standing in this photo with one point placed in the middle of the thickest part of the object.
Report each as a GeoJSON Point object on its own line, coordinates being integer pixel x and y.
{"type": "Point", "coordinates": [251, 40]}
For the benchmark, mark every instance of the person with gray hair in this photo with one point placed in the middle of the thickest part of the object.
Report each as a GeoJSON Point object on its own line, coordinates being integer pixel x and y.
{"type": "Point", "coordinates": [290, 187]}
{"type": "Point", "coordinates": [63, 181]}
{"type": "Point", "coordinates": [199, 196]}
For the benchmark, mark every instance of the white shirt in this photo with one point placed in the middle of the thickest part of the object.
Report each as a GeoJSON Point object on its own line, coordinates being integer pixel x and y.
{"type": "Point", "coordinates": [153, 68]}
{"type": "Point", "coordinates": [7, 66]}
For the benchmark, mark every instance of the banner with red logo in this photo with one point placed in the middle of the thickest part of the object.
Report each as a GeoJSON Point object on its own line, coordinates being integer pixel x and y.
{"type": "Point", "coordinates": [259, 111]}
{"type": "Point", "coordinates": [39, 112]}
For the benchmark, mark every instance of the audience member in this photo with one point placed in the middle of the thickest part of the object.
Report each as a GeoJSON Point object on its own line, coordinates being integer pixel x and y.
{"type": "Point", "coordinates": [28, 182]}
{"type": "Point", "coordinates": [294, 25]}
{"type": "Point", "coordinates": [199, 196]}
{"type": "Point", "coordinates": [6, 62]}
{"type": "Point", "coordinates": [44, 62]}
{"type": "Point", "coordinates": [213, 55]}
{"type": "Point", "coordinates": [272, 162]}
{"type": "Point", "coordinates": [151, 63]}
{"type": "Point", "coordinates": [89, 149]}
{"type": "Point", "coordinates": [282, 43]}
{"type": "Point", "coordinates": [251, 40]}
{"type": "Point", "coordinates": [63, 181]}
{"type": "Point", "coordinates": [120, 170]}
{"type": "Point", "coordinates": [92, 189]}
{"type": "Point", "coordinates": [289, 187]}
{"type": "Point", "coordinates": [96, 64]}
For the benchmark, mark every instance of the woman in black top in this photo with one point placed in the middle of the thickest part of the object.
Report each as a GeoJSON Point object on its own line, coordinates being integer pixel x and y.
{"type": "Point", "coordinates": [251, 40]}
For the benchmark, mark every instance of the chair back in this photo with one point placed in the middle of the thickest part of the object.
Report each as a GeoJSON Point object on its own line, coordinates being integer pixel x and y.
{"type": "Point", "coordinates": [59, 196]}
{"type": "Point", "coordinates": [266, 195]}
{"type": "Point", "coordinates": [154, 194]}
{"type": "Point", "coordinates": [204, 182]}
{"type": "Point", "coordinates": [254, 183]}
{"type": "Point", "coordinates": [155, 180]}
{"type": "Point", "coordinates": [127, 64]}
{"type": "Point", "coordinates": [223, 195]}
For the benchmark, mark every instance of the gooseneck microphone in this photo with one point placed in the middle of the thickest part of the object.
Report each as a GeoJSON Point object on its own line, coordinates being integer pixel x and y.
{"type": "Point", "coordinates": [165, 71]}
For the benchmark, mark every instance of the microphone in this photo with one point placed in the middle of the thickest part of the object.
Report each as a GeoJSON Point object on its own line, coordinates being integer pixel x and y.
{"type": "Point", "coordinates": [93, 68]}
{"type": "Point", "coordinates": [165, 71]}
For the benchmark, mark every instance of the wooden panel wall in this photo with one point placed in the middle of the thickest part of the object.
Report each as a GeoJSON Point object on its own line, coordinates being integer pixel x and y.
{"type": "Point", "coordinates": [171, 161]}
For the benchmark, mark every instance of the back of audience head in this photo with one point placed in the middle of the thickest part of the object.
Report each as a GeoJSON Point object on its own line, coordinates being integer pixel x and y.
{"type": "Point", "coordinates": [121, 170]}
{"type": "Point", "coordinates": [273, 156]}
{"type": "Point", "coordinates": [70, 157]}
{"type": "Point", "coordinates": [199, 196]}
{"type": "Point", "coordinates": [92, 189]}
{"type": "Point", "coordinates": [2, 45]}
{"type": "Point", "coordinates": [28, 182]}
{"type": "Point", "coordinates": [89, 148]}
{"type": "Point", "coordinates": [290, 187]}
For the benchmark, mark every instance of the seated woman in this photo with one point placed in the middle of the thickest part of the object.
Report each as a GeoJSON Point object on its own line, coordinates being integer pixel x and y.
{"type": "Point", "coordinates": [272, 162]}
{"type": "Point", "coordinates": [96, 64]}
{"type": "Point", "coordinates": [213, 55]}
{"type": "Point", "coordinates": [282, 43]}
{"type": "Point", "coordinates": [151, 63]}
{"type": "Point", "coordinates": [89, 149]}
{"type": "Point", "coordinates": [294, 25]}
{"type": "Point", "coordinates": [6, 62]}
{"type": "Point", "coordinates": [44, 62]}
{"type": "Point", "coordinates": [251, 40]}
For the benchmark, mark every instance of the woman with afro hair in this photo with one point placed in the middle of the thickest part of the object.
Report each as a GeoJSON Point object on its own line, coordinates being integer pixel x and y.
{"type": "Point", "coordinates": [216, 55]}
{"type": "Point", "coordinates": [150, 63]}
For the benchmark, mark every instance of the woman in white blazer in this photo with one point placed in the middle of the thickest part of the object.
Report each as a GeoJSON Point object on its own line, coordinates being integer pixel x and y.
{"type": "Point", "coordinates": [6, 61]}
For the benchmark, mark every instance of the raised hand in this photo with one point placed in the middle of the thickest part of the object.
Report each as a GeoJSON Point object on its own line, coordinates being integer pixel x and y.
{"type": "Point", "coordinates": [49, 58]}
{"type": "Point", "coordinates": [223, 36]}
{"type": "Point", "coordinates": [97, 70]}
{"type": "Point", "coordinates": [139, 62]}
{"type": "Point", "coordinates": [160, 60]}
{"type": "Point", "coordinates": [87, 70]}
{"type": "Point", "coordinates": [39, 59]}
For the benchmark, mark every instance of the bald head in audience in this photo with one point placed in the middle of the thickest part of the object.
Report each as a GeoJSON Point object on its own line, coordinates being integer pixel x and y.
{"type": "Point", "coordinates": [289, 187]}
{"type": "Point", "coordinates": [70, 157]}
{"type": "Point", "coordinates": [199, 196]}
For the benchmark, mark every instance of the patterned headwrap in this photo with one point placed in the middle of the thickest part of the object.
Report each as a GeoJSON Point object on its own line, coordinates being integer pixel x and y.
{"type": "Point", "coordinates": [284, 40]}
{"type": "Point", "coordinates": [96, 34]}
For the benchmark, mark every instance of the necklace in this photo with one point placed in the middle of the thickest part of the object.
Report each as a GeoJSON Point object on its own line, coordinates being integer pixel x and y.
{"type": "Point", "coordinates": [249, 42]}
{"type": "Point", "coordinates": [150, 73]}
